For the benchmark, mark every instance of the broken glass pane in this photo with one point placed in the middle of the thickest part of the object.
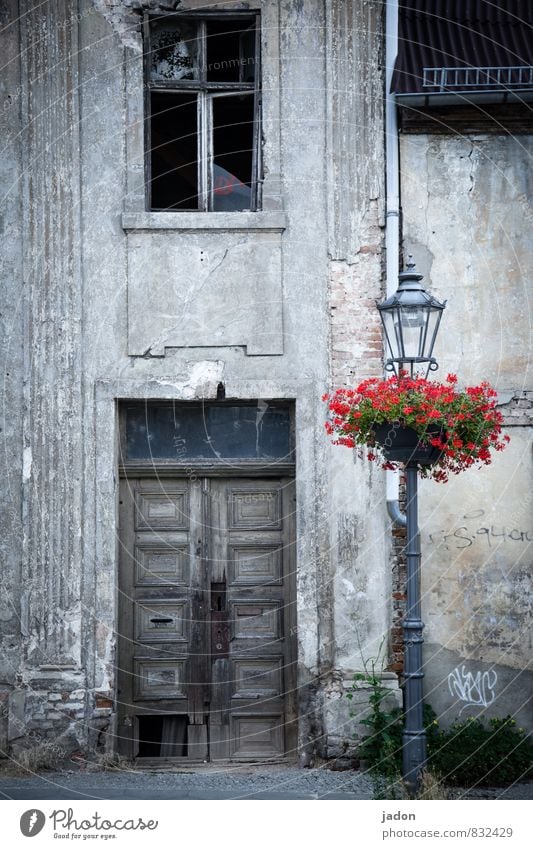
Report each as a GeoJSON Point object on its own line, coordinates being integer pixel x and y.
{"type": "Point", "coordinates": [247, 55]}
{"type": "Point", "coordinates": [174, 51]}
{"type": "Point", "coordinates": [233, 142]}
{"type": "Point", "coordinates": [174, 150]}
{"type": "Point", "coordinates": [230, 51]}
{"type": "Point", "coordinates": [213, 432]}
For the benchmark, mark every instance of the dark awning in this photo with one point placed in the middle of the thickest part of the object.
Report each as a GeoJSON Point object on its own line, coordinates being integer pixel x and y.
{"type": "Point", "coordinates": [464, 46]}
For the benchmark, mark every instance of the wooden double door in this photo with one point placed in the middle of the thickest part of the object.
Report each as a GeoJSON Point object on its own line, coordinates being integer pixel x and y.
{"type": "Point", "coordinates": [206, 642]}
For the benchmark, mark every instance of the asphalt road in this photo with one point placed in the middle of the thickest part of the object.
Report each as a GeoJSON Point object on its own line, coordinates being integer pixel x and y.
{"type": "Point", "coordinates": [288, 783]}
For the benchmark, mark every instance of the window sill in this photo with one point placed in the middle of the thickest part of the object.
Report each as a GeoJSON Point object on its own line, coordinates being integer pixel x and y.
{"type": "Point", "coordinates": [219, 221]}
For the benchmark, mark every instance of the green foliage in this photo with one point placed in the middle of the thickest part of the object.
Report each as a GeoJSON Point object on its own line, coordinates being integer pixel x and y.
{"type": "Point", "coordinates": [468, 754]}
{"type": "Point", "coordinates": [381, 748]}
{"type": "Point", "coordinates": [472, 753]}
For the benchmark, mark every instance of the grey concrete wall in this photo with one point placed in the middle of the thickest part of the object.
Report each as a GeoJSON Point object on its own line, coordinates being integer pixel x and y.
{"type": "Point", "coordinates": [81, 80]}
{"type": "Point", "coordinates": [467, 221]}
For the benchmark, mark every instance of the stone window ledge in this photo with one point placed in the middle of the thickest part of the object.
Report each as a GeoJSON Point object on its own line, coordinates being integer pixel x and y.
{"type": "Point", "coordinates": [218, 221]}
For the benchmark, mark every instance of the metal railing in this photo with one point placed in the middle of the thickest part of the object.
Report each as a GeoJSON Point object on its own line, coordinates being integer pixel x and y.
{"type": "Point", "coordinates": [519, 76]}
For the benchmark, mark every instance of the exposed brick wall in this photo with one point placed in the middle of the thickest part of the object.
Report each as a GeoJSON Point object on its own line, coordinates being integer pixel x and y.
{"type": "Point", "coordinates": [517, 408]}
{"type": "Point", "coordinates": [356, 344]}
{"type": "Point", "coordinates": [55, 720]}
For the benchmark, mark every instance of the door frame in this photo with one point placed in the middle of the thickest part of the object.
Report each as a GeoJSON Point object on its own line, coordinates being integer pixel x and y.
{"type": "Point", "coordinates": [101, 550]}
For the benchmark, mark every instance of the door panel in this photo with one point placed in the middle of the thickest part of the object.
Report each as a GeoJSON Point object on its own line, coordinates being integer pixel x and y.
{"type": "Point", "coordinates": [160, 622]}
{"type": "Point", "coordinates": [162, 562]}
{"type": "Point", "coordinates": [256, 737]}
{"type": "Point", "coordinates": [206, 618]}
{"type": "Point", "coordinates": [159, 679]}
{"type": "Point", "coordinates": [166, 511]}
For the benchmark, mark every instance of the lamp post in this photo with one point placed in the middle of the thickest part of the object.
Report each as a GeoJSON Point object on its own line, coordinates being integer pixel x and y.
{"type": "Point", "coordinates": [411, 319]}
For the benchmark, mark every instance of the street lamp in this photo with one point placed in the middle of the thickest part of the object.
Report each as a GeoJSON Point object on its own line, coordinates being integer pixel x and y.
{"type": "Point", "coordinates": [411, 319]}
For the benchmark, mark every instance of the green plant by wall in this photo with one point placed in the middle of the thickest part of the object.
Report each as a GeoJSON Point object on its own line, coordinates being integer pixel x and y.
{"type": "Point", "coordinates": [468, 754]}
{"type": "Point", "coordinates": [381, 748]}
{"type": "Point", "coordinates": [474, 753]}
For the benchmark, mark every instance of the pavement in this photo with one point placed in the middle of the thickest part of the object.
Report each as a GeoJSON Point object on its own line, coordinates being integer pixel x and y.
{"type": "Point", "coordinates": [229, 782]}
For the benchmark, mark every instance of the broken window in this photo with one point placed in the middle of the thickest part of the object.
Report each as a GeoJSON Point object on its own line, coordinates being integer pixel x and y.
{"type": "Point", "coordinates": [202, 112]}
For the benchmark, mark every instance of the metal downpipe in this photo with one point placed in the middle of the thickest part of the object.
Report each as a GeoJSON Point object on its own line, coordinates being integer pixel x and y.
{"type": "Point", "coordinates": [392, 215]}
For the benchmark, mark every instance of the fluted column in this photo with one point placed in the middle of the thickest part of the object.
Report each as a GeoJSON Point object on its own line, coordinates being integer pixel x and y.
{"type": "Point", "coordinates": [53, 311]}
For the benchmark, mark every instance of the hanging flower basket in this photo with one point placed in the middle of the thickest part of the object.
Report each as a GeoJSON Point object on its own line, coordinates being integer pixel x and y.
{"type": "Point", "coordinates": [413, 420]}
{"type": "Point", "coordinates": [402, 444]}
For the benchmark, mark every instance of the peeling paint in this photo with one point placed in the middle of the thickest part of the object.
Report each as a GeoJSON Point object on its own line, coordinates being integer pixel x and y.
{"type": "Point", "coordinates": [26, 463]}
{"type": "Point", "coordinates": [204, 379]}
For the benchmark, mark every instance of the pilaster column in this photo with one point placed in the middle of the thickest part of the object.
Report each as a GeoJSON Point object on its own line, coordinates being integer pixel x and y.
{"type": "Point", "coordinates": [52, 431]}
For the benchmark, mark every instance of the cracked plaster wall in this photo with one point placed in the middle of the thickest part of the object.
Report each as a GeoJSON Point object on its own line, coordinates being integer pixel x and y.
{"type": "Point", "coordinates": [467, 221]}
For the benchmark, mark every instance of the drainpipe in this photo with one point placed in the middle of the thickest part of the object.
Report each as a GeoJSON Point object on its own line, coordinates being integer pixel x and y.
{"type": "Point", "coordinates": [392, 217]}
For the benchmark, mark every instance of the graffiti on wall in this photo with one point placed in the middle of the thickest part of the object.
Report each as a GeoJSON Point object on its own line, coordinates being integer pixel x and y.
{"type": "Point", "coordinates": [489, 533]}
{"type": "Point", "coordinates": [474, 689]}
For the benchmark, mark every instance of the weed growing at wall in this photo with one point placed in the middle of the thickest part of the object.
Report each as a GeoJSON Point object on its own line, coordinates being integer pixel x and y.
{"type": "Point", "coordinates": [478, 754]}
{"type": "Point", "coordinates": [381, 748]}
{"type": "Point", "coordinates": [469, 754]}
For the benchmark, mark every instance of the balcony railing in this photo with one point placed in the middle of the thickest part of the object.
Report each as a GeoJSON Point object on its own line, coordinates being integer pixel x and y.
{"type": "Point", "coordinates": [444, 79]}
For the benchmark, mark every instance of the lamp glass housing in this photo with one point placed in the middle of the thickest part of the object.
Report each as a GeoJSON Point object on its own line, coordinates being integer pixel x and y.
{"type": "Point", "coordinates": [411, 319]}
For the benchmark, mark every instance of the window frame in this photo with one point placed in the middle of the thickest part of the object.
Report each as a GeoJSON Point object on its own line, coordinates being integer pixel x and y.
{"type": "Point", "coordinates": [206, 91]}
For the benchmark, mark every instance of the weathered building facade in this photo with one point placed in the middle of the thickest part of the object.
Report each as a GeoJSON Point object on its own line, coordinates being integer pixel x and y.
{"type": "Point", "coordinates": [189, 568]}
{"type": "Point", "coordinates": [465, 157]}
